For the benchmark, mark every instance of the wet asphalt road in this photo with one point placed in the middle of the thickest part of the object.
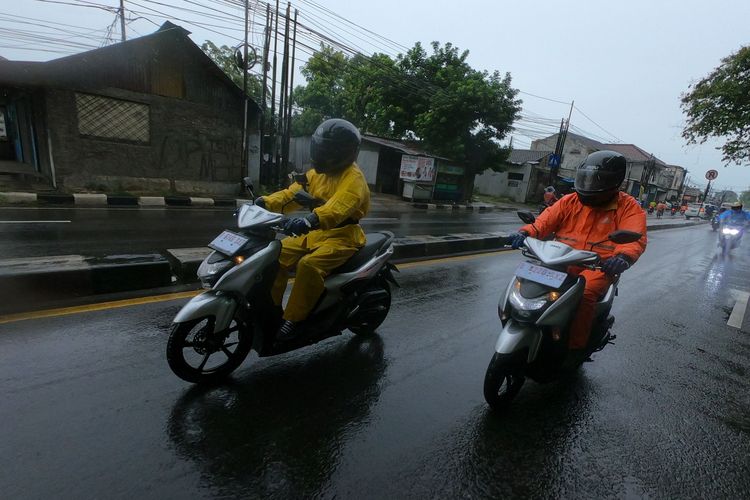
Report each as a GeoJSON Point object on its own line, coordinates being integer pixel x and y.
{"type": "Point", "coordinates": [91, 410]}
{"type": "Point", "coordinates": [108, 231]}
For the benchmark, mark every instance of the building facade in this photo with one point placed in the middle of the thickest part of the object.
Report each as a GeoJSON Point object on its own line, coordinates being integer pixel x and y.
{"type": "Point", "coordinates": [152, 114]}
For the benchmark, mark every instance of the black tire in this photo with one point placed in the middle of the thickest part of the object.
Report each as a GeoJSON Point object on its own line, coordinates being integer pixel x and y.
{"type": "Point", "coordinates": [205, 346]}
{"type": "Point", "coordinates": [373, 322]}
{"type": "Point", "coordinates": [503, 380]}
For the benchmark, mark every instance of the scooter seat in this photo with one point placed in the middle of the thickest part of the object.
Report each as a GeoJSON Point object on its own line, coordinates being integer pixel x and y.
{"type": "Point", "coordinates": [375, 241]}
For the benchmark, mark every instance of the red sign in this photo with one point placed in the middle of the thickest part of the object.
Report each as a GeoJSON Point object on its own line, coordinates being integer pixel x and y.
{"type": "Point", "coordinates": [711, 175]}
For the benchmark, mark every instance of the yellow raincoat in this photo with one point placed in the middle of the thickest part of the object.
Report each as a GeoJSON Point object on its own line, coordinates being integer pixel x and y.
{"type": "Point", "coordinates": [316, 254]}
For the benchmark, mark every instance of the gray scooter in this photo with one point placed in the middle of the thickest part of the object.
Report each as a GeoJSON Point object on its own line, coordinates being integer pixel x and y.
{"type": "Point", "coordinates": [536, 311]}
{"type": "Point", "coordinates": [215, 331]}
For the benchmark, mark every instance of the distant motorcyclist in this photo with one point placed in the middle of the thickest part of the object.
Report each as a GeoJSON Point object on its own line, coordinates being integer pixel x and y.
{"type": "Point", "coordinates": [660, 207]}
{"type": "Point", "coordinates": [587, 216]}
{"type": "Point", "coordinates": [734, 217]}
{"type": "Point", "coordinates": [549, 196]}
{"type": "Point", "coordinates": [326, 238]}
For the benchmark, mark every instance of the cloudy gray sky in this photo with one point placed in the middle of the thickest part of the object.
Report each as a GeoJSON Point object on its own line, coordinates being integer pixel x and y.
{"type": "Point", "coordinates": [624, 63]}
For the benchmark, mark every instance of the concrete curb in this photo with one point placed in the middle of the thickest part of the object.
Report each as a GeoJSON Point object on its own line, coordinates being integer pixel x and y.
{"type": "Point", "coordinates": [100, 199]}
{"type": "Point", "coordinates": [444, 206]}
{"type": "Point", "coordinates": [27, 283]}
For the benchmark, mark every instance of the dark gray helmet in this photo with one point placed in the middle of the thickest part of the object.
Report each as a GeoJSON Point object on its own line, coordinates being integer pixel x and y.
{"type": "Point", "coordinates": [599, 177]}
{"type": "Point", "coordinates": [334, 146]}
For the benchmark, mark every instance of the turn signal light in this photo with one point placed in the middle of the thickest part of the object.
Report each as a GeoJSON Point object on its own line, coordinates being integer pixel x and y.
{"type": "Point", "coordinates": [239, 259]}
{"type": "Point", "coordinates": [553, 296]}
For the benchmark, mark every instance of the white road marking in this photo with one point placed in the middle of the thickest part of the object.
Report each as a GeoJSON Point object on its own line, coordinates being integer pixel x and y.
{"type": "Point", "coordinates": [379, 219]}
{"type": "Point", "coordinates": [739, 309]}
{"type": "Point", "coordinates": [34, 221]}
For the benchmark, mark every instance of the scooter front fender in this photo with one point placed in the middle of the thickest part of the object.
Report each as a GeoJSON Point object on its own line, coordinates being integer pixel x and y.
{"type": "Point", "coordinates": [220, 307]}
{"type": "Point", "coordinates": [518, 336]}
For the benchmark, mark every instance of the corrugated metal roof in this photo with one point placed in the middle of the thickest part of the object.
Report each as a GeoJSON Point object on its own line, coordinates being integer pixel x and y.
{"type": "Point", "coordinates": [400, 146]}
{"type": "Point", "coordinates": [521, 156]}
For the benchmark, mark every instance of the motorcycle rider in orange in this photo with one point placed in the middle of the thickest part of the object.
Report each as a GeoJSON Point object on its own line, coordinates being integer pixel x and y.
{"type": "Point", "coordinates": [587, 216]}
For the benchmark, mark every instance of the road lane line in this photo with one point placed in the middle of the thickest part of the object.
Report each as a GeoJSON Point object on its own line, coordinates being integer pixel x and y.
{"type": "Point", "coordinates": [739, 309]}
{"type": "Point", "coordinates": [34, 221]}
{"type": "Point", "coordinates": [101, 306]}
{"type": "Point", "coordinates": [152, 299]}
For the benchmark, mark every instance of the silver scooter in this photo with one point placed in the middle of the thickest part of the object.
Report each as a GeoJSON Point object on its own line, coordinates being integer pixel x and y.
{"type": "Point", "coordinates": [536, 311]}
{"type": "Point", "coordinates": [216, 330]}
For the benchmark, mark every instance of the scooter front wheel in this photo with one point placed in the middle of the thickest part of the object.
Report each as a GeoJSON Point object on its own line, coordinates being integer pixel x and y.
{"type": "Point", "coordinates": [197, 354]}
{"type": "Point", "coordinates": [502, 381]}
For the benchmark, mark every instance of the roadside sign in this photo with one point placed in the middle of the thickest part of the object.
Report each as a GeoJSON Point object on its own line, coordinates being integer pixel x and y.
{"type": "Point", "coordinates": [554, 160]}
{"type": "Point", "coordinates": [711, 175]}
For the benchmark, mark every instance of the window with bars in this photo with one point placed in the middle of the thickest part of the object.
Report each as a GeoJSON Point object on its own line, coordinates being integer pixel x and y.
{"type": "Point", "coordinates": [115, 119]}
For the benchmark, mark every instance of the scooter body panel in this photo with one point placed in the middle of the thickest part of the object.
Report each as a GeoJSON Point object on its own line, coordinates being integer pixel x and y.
{"type": "Point", "coordinates": [209, 304]}
{"type": "Point", "coordinates": [517, 336]}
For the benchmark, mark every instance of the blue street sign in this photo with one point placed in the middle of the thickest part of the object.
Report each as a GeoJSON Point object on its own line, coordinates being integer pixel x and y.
{"type": "Point", "coordinates": [554, 161]}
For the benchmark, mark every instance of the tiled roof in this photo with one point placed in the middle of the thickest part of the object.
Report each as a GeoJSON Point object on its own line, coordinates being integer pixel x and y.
{"type": "Point", "coordinates": [632, 152]}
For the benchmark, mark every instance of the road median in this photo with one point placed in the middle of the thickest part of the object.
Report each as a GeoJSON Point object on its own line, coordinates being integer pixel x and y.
{"type": "Point", "coordinates": [35, 282]}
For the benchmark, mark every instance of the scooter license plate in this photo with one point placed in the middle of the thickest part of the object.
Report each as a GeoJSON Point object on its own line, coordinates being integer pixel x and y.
{"type": "Point", "coordinates": [539, 274]}
{"type": "Point", "coordinates": [228, 243]}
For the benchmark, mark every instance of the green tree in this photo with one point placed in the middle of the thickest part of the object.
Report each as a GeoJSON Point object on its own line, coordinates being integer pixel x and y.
{"type": "Point", "coordinates": [436, 99]}
{"type": "Point", "coordinates": [224, 58]}
{"type": "Point", "coordinates": [719, 106]}
{"type": "Point", "coordinates": [745, 198]}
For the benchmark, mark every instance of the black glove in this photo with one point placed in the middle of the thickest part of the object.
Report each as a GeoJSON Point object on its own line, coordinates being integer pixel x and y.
{"type": "Point", "coordinates": [515, 240]}
{"type": "Point", "coordinates": [259, 201]}
{"type": "Point", "coordinates": [615, 265]}
{"type": "Point", "coordinates": [298, 226]}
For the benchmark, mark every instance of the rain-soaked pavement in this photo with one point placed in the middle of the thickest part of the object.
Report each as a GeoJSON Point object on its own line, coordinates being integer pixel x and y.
{"type": "Point", "coordinates": [91, 410]}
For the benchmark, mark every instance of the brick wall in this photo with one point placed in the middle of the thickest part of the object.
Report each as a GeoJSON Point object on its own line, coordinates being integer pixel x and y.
{"type": "Point", "coordinates": [186, 141]}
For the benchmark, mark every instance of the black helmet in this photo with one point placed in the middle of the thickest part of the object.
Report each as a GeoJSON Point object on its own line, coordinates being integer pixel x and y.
{"type": "Point", "coordinates": [599, 177]}
{"type": "Point", "coordinates": [334, 146]}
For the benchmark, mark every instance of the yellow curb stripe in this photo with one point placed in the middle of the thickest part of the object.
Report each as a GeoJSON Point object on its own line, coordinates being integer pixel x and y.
{"type": "Point", "coordinates": [102, 306]}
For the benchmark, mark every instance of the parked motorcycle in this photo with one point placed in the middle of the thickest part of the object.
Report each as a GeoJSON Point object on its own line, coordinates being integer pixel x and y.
{"type": "Point", "coordinates": [536, 311]}
{"type": "Point", "coordinates": [673, 211]}
{"type": "Point", "coordinates": [650, 210]}
{"type": "Point", "coordinates": [214, 332]}
{"type": "Point", "coordinates": [730, 237]}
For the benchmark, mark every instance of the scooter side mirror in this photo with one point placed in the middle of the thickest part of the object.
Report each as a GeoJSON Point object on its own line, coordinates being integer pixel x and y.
{"type": "Point", "coordinates": [249, 186]}
{"type": "Point", "coordinates": [623, 236]}
{"type": "Point", "coordinates": [299, 178]}
{"type": "Point", "coordinates": [526, 216]}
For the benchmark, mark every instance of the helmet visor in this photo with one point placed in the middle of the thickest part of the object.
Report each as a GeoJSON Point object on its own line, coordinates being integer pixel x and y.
{"type": "Point", "coordinates": [592, 178]}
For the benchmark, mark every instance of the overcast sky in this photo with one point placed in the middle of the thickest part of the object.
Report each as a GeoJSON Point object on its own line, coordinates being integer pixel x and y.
{"type": "Point", "coordinates": [624, 63]}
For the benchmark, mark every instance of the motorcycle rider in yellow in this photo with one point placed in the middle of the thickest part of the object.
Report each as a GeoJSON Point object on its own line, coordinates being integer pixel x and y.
{"type": "Point", "coordinates": [331, 234]}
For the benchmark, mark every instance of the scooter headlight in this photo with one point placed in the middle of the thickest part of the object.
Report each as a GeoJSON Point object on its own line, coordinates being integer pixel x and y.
{"type": "Point", "coordinates": [209, 274]}
{"type": "Point", "coordinates": [520, 302]}
{"type": "Point", "coordinates": [731, 231]}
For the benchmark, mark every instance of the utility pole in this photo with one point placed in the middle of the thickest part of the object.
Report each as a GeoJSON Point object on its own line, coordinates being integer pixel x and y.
{"type": "Point", "coordinates": [282, 161]}
{"type": "Point", "coordinates": [561, 137]}
{"type": "Point", "coordinates": [122, 19]}
{"type": "Point", "coordinates": [272, 154]}
{"type": "Point", "coordinates": [244, 156]}
{"type": "Point", "coordinates": [291, 89]}
{"type": "Point", "coordinates": [264, 92]}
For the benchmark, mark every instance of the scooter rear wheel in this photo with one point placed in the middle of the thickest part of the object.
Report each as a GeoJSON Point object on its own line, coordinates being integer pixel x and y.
{"type": "Point", "coordinates": [196, 354]}
{"type": "Point", "coordinates": [503, 381]}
